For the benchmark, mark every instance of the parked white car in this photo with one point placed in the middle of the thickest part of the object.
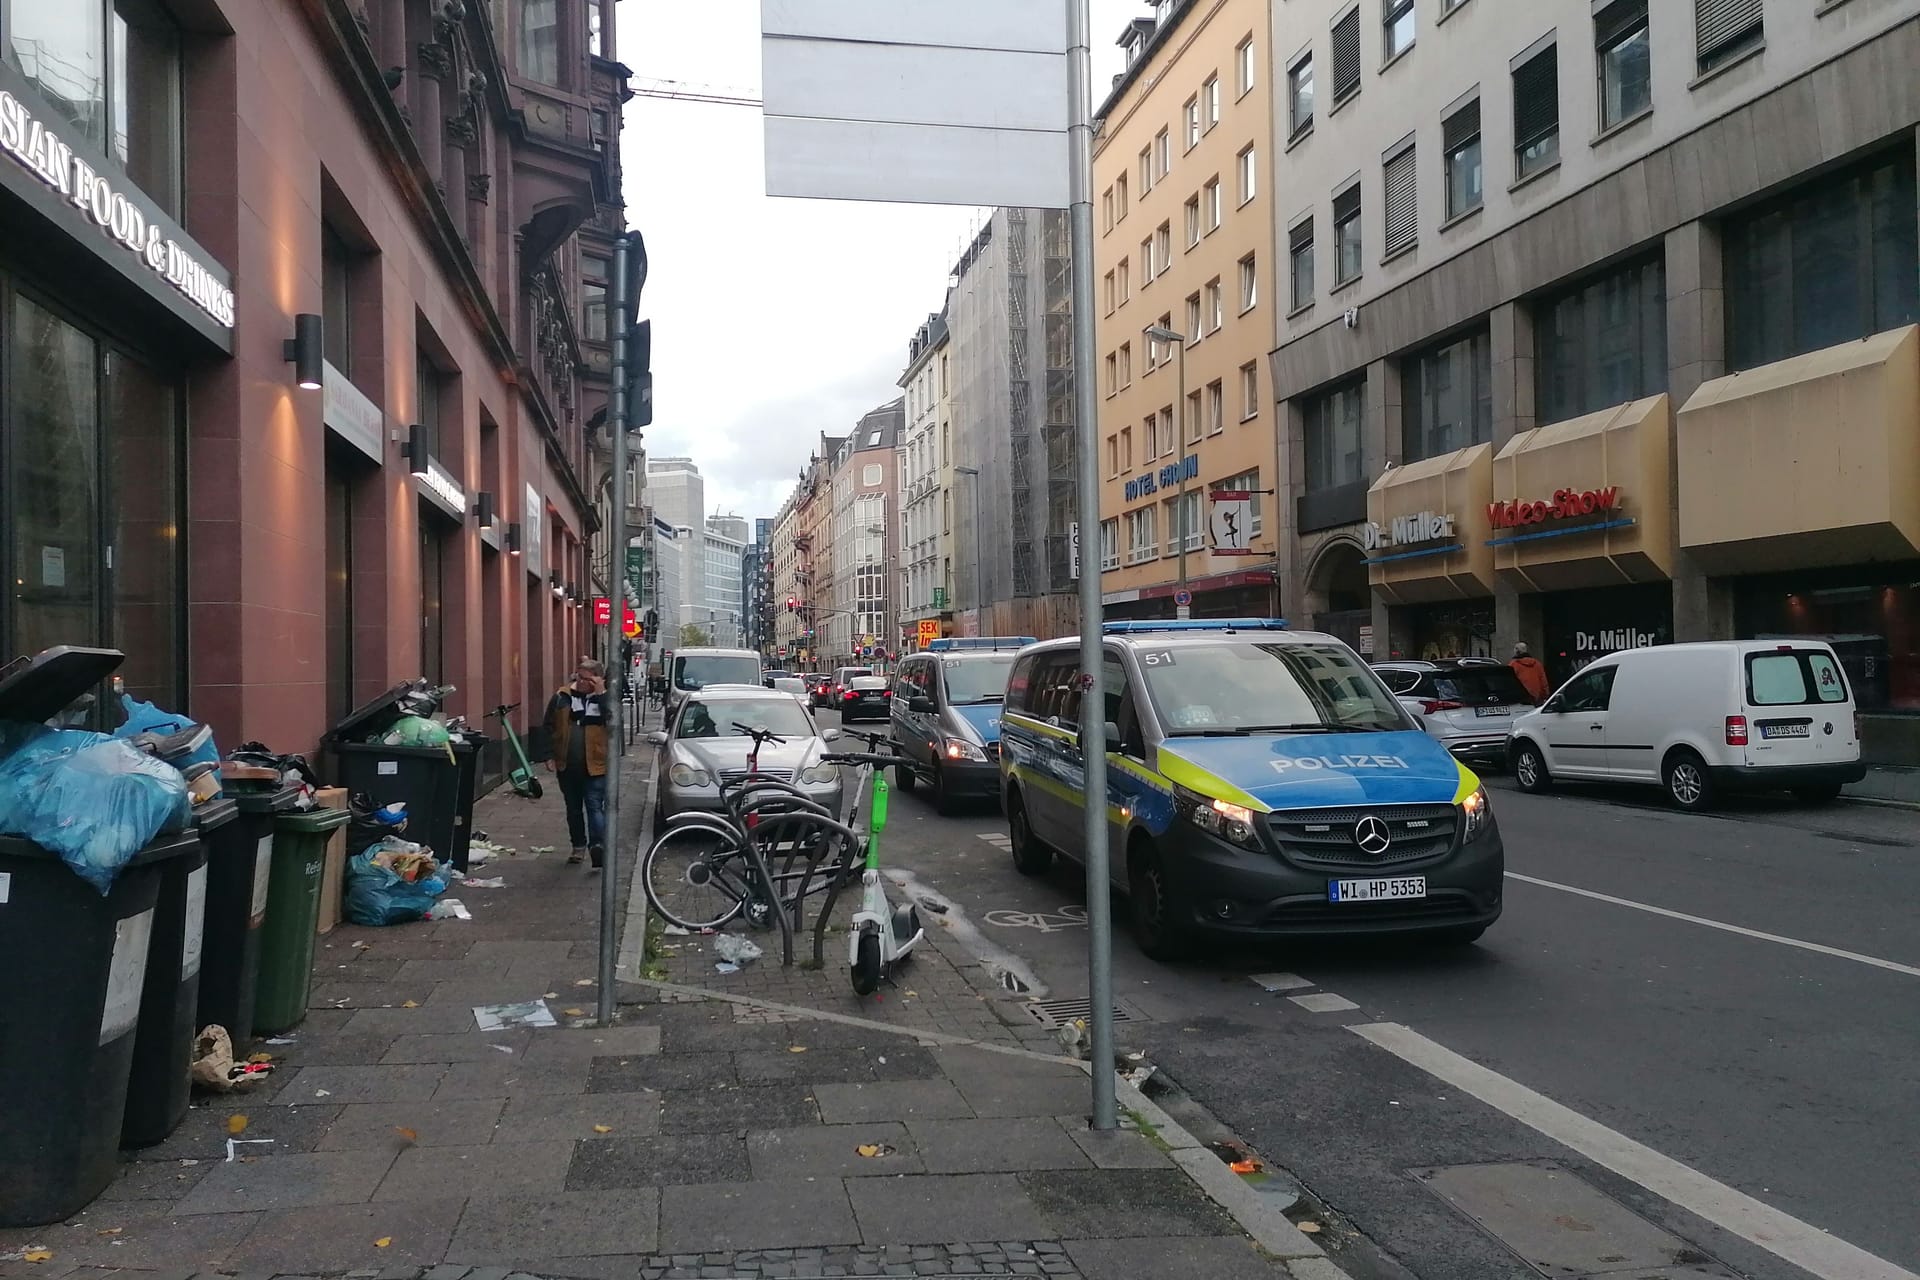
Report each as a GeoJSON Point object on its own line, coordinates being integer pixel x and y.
{"type": "Point", "coordinates": [1696, 718]}
{"type": "Point", "coordinates": [1467, 704]}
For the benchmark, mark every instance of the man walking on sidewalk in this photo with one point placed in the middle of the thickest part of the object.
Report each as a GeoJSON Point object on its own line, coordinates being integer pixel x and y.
{"type": "Point", "coordinates": [1532, 676]}
{"type": "Point", "coordinates": [577, 727]}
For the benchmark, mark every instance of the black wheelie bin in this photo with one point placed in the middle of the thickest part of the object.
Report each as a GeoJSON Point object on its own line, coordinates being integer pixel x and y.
{"type": "Point", "coordinates": [75, 964]}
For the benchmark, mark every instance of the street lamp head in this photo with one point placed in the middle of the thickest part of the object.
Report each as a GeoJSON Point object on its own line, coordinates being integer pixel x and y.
{"type": "Point", "coordinates": [966, 471]}
{"type": "Point", "coordinates": [1160, 333]}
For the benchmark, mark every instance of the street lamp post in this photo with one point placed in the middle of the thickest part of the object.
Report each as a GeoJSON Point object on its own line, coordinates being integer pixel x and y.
{"type": "Point", "coordinates": [979, 565]}
{"type": "Point", "coordinates": [1157, 333]}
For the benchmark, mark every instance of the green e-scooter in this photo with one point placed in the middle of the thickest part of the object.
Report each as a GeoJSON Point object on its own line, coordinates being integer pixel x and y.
{"type": "Point", "coordinates": [523, 779]}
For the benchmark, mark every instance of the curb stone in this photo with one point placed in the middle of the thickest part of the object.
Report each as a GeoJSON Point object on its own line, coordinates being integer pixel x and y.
{"type": "Point", "coordinates": [1272, 1230]}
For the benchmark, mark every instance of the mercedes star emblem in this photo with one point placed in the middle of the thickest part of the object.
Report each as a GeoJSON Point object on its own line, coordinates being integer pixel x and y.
{"type": "Point", "coordinates": [1371, 834]}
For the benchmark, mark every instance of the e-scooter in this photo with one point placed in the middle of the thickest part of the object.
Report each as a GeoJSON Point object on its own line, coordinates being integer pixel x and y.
{"type": "Point", "coordinates": [522, 778]}
{"type": "Point", "coordinates": [882, 936]}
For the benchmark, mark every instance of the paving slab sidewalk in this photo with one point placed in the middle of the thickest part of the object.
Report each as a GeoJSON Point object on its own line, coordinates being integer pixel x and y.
{"type": "Point", "coordinates": [729, 1134]}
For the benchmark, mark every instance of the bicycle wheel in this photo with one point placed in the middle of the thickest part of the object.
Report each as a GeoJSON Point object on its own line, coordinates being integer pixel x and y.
{"type": "Point", "coordinates": [697, 877]}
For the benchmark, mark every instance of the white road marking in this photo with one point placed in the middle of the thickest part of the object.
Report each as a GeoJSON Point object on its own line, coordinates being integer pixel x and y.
{"type": "Point", "coordinates": [1324, 1002]}
{"type": "Point", "coordinates": [1278, 982]}
{"type": "Point", "coordinates": [1778, 1233]}
{"type": "Point", "coordinates": [1855, 956]}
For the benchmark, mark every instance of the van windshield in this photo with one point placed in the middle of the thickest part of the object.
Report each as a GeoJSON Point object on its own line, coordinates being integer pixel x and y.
{"type": "Point", "coordinates": [982, 679]}
{"type": "Point", "coordinates": [1253, 688]}
{"type": "Point", "coordinates": [702, 670]}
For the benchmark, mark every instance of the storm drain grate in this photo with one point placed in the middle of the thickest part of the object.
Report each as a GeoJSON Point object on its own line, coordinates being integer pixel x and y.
{"type": "Point", "coordinates": [1058, 1013]}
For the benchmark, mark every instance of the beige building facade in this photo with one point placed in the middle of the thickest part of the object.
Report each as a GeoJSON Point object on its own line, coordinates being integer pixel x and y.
{"type": "Point", "coordinates": [1183, 243]}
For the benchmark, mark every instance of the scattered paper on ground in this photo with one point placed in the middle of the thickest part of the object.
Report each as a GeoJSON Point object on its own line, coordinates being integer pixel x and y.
{"type": "Point", "coordinates": [450, 909]}
{"type": "Point", "coordinates": [575, 1013]}
{"type": "Point", "coordinates": [383, 1242]}
{"type": "Point", "coordinates": [530, 1013]}
{"type": "Point", "coordinates": [409, 1004]}
{"type": "Point", "coordinates": [492, 882]}
{"type": "Point", "coordinates": [603, 1128]}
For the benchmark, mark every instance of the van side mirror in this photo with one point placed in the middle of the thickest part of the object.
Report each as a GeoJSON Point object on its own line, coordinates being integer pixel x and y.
{"type": "Point", "coordinates": [920, 702]}
{"type": "Point", "coordinates": [830, 735]}
{"type": "Point", "coordinates": [1553, 706]}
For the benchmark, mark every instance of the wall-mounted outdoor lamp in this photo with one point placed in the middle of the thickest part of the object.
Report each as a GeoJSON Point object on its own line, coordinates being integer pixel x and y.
{"type": "Point", "coordinates": [306, 349]}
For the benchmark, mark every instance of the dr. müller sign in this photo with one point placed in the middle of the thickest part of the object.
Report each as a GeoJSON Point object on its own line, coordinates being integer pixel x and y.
{"type": "Point", "coordinates": [39, 150]}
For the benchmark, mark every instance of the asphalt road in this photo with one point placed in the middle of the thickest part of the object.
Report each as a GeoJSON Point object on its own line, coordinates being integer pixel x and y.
{"type": "Point", "coordinates": [1742, 997]}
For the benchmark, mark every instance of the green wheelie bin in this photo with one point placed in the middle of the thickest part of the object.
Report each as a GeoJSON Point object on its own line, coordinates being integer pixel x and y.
{"type": "Point", "coordinates": [293, 913]}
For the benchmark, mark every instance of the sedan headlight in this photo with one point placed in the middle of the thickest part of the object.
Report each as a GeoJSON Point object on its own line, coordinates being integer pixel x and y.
{"type": "Point", "coordinates": [1230, 822]}
{"type": "Point", "coordinates": [685, 775]}
{"type": "Point", "coordinates": [820, 775]}
{"type": "Point", "coordinates": [961, 749]}
{"type": "Point", "coordinates": [1479, 813]}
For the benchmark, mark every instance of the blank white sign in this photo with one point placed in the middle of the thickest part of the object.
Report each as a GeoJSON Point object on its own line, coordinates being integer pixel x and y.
{"type": "Point", "coordinates": [915, 164]}
{"type": "Point", "coordinates": [913, 84]}
{"type": "Point", "coordinates": [1035, 26]}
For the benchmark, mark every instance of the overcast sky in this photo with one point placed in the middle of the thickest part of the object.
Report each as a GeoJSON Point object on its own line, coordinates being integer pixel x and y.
{"type": "Point", "coordinates": [773, 319]}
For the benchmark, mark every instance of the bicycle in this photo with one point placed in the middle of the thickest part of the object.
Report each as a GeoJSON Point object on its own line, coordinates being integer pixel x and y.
{"type": "Point", "coordinates": [522, 778]}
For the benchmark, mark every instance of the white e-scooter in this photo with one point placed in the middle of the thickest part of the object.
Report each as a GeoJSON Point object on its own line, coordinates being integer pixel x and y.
{"type": "Point", "coordinates": [882, 936]}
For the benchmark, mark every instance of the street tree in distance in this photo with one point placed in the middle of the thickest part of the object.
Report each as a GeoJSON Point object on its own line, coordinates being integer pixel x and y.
{"type": "Point", "coordinates": [694, 636]}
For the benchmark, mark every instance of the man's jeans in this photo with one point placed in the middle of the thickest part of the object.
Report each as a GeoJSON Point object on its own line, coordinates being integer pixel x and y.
{"type": "Point", "coordinates": [586, 807]}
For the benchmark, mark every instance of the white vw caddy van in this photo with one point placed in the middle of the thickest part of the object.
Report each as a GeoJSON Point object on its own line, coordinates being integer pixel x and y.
{"type": "Point", "coordinates": [1697, 718]}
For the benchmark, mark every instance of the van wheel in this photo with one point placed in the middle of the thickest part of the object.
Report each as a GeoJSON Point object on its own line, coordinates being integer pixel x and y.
{"type": "Point", "coordinates": [942, 801]}
{"type": "Point", "coordinates": [904, 777]}
{"type": "Point", "coordinates": [1530, 769]}
{"type": "Point", "coordinates": [1688, 785]}
{"type": "Point", "coordinates": [1154, 905]}
{"type": "Point", "coordinates": [1030, 856]}
{"type": "Point", "coordinates": [1824, 793]}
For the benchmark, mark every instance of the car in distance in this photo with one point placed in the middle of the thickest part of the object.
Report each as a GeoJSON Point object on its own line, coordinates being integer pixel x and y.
{"type": "Point", "coordinates": [1465, 704]}
{"type": "Point", "coordinates": [864, 698]}
{"type": "Point", "coordinates": [704, 744]}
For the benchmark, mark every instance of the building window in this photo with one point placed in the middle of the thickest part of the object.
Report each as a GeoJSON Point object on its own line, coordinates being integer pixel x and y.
{"type": "Point", "coordinates": [1110, 543]}
{"type": "Point", "coordinates": [1346, 57]}
{"type": "Point", "coordinates": [1300, 265]}
{"type": "Point", "coordinates": [1193, 417]}
{"type": "Point", "coordinates": [1249, 390]}
{"type": "Point", "coordinates": [1111, 295]}
{"type": "Point", "coordinates": [540, 40]}
{"type": "Point", "coordinates": [1300, 97]}
{"type": "Point", "coordinates": [1402, 190]}
{"type": "Point", "coordinates": [1210, 103]}
{"type": "Point", "coordinates": [1460, 136]}
{"type": "Point", "coordinates": [1244, 68]}
{"type": "Point", "coordinates": [1397, 28]}
{"type": "Point", "coordinates": [1602, 343]}
{"type": "Point", "coordinates": [593, 297]}
{"type": "Point", "coordinates": [1126, 284]}
{"type": "Point", "coordinates": [1210, 195]}
{"type": "Point", "coordinates": [1725, 29]}
{"type": "Point", "coordinates": [1106, 209]}
{"type": "Point", "coordinates": [1194, 328]}
{"type": "Point", "coordinates": [1163, 245]}
{"type": "Point", "coordinates": [336, 300]}
{"type": "Point", "coordinates": [1193, 221]}
{"type": "Point", "coordinates": [1216, 407]}
{"type": "Point", "coordinates": [1142, 542]}
{"type": "Point", "coordinates": [1113, 454]}
{"type": "Point", "coordinates": [1126, 448]}
{"type": "Point", "coordinates": [1215, 308]}
{"type": "Point", "coordinates": [1249, 282]}
{"type": "Point", "coordinates": [1247, 482]}
{"type": "Point", "coordinates": [1146, 170]}
{"type": "Point", "coordinates": [1146, 262]}
{"type": "Point", "coordinates": [1169, 443]}
{"type": "Point", "coordinates": [1446, 397]}
{"type": "Point", "coordinates": [1190, 127]}
{"type": "Point", "coordinates": [1126, 364]}
{"type": "Point", "coordinates": [1623, 52]}
{"type": "Point", "coordinates": [1346, 236]}
{"type": "Point", "coordinates": [1162, 155]}
{"type": "Point", "coordinates": [1249, 176]}
{"type": "Point", "coordinates": [1113, 374]}
{"type": "Point", "coordinates": [1536, 113]}
{"type": "Point", "coordinates": [1183, 521]}
{"type": "Point", "coordinates": [1120, 198]}
{"type": "Point", "coordinates": [111, 69]}
{"type": "Point", "coordinates": [1831, 261]}
{"type": "Point", "coordinates": [1332, 429]}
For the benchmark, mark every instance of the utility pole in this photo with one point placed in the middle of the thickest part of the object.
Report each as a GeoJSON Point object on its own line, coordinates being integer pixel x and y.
{"type": "Point", "coordinates": [1093, 707]}
{"type": "Point", "coordinates": [620, 304]}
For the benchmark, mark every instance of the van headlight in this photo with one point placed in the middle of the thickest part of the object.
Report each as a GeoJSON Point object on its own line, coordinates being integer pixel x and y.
{"type": "Point", "coordinates": [961, 749]}
{"type": "Point", "coordinates": [820, 775]}
{"type": "Point", "coordinates": [1479, 814]}
{"type": "Point", "coordinates": [1230, 822]}
{"type": "Point", "coordinates": [685, 775]}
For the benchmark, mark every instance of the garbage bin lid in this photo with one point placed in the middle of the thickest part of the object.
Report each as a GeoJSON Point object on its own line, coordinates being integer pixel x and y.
{"type": "Point", "coordinates": [214, 813]}
{"type": "Point", "coordinates": [39, 688]}
{"type": "Point", "coordinates": [372, 717]}
{"type": "Point", "coordinates": [161, 847]}
{"type": "Point", "coordinates": [312, 820]}
{"type": "Point", "coordinates": [263, 800]}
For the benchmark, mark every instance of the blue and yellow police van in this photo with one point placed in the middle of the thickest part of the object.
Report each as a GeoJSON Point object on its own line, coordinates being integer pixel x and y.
{"type": "Point", "coordinates": [946, 716]}
{"type": "Point", "coordinates": [1261, 782]}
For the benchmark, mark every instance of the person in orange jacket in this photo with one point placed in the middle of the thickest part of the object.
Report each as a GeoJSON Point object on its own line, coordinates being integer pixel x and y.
{"type": "Point", "coordinates": [1532, 676]}
{"type": "Point", "coordinates": [577, 726]}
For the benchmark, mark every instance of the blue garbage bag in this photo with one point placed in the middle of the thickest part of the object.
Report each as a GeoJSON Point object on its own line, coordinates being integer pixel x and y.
{"type": "Point", "coordinates": [93, 800]}
{"type": "Point", "coordinates": [378, 895]}
{"type": "Point", "coordinates": [144, 717]}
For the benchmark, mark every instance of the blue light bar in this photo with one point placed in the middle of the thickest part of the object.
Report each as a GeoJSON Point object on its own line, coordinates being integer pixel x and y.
{"type": "Point", "coordinates": [955, 643]}
{"type": "Point", "coordinates": [1148, 626]}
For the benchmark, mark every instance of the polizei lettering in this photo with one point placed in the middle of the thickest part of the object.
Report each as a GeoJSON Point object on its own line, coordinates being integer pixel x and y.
{"type": "Point", "coordinates": [1285, 764]}
{"type": "Point", "coordinates": [41, 152]}
{"type": "Point", "coordinates": [1567, 504]}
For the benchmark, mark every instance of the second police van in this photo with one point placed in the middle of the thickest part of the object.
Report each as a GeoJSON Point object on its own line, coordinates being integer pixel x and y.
{"type": "Point", "coordinates": [946, 716]}
{"type": "Point", "coordinates": [1260, 782]}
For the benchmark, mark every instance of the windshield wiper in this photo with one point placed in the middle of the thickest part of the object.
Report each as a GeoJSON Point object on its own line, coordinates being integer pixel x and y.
{"type": "Point", "coordinates": [1211, 733]}
{"type": "Point", "coordinates": [1313, 726]}
{"type": "Point", "coordinates": [985, 697]}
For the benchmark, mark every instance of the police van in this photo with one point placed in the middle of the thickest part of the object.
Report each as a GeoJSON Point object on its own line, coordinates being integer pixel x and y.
{"type": "Point", "coordinates": [946, 716]}
{"type": "Point", "coordinates": [1260, 782]}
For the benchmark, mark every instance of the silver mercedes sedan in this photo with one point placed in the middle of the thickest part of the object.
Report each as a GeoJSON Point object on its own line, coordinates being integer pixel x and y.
{"type": "Point", "coordinates": [707, 742]}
